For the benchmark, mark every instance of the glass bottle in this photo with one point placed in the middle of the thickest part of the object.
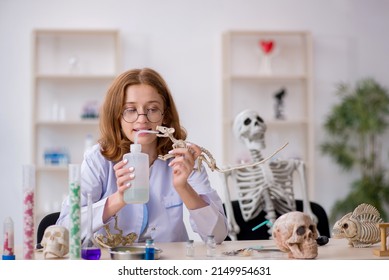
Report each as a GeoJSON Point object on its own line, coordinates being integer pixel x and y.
{"type": "Point", "coordinates": [211, 246]}
{"type": "Point", "coordinates": [190, 248]}
{"type": "Point", "coordinates": [89, 249]}
{"type": "Point", "coordinates": [150, 250]}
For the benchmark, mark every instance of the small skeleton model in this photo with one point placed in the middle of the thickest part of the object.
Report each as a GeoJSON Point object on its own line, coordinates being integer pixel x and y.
{"type": "Point", "coordinates": [113, 240]}
{"type": "Point", "coordinates": [268, 186]}
{"type": "Point", "coordinates": [279, 106]}
{"type": "Point", "coordinates": [55, 242]}
{"type": "Point", "coordinates": [295, 233]}
{"type": "Point", "coordinates": [360, 227]}
{"type": "Point", "coordinates": [205, 155]}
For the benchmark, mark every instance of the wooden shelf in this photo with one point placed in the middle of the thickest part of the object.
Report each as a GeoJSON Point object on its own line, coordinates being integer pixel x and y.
{"type": "Point", "coordinates": [51, 168]}
{"type": "Point", "coordinates": [265, 78]}
{"type": "Point", "coordinates": [72, 70]}
{"type": "Point", "coordinates": [85, 122]}
{"type": "Point", "coordinates": [247, 86]}
{"type": "Point", "coordinates": [74, 77]}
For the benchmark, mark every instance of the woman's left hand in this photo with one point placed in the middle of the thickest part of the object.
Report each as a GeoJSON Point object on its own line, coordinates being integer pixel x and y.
{"type": "Point", "coordinates": [183, 164]}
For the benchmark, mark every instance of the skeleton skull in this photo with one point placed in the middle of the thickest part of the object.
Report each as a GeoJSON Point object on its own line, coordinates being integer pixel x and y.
{"type": "Point", "coordinates": [296, 234]}
{"type": "Point", "coordinates": [55, 241]}
{"type": "Point", "coordinates": [250, 128]}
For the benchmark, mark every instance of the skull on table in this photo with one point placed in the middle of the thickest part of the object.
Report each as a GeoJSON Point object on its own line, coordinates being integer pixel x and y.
{"type": "Point", "coordinates": [296, 234]}
{"type": "Point", "coordinates": [55, 242]}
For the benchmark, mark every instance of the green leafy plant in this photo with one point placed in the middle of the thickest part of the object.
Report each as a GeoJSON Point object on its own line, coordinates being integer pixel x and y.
{"type": "Point", "coordinates": [355, 127]}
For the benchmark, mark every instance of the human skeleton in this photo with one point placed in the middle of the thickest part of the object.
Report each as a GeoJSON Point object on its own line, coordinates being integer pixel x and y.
{"type": "Point", "coordinates": [267, 187]}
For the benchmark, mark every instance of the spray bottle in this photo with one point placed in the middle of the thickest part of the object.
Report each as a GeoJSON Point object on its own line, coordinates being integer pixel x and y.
{"type": "Point", "coordinates": [139, 190]}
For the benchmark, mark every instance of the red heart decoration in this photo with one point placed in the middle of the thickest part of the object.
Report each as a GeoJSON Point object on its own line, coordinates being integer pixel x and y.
{"type": "Point", "coordinates": [267, 46]}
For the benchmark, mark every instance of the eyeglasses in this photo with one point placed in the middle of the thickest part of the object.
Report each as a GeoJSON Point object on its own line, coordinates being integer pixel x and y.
{"type": "Point", "coordinates": [153, 115]}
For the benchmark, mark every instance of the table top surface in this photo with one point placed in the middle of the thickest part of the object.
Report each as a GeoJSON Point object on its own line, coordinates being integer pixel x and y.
{"type": "Point", "coordinates": [335, 249]}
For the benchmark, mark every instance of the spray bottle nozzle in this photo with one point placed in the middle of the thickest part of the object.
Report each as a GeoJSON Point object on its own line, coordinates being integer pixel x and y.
{"type": "Point", "coordinates": [137, 147]}
{"type": "Point", "coordinates": [143, 131]}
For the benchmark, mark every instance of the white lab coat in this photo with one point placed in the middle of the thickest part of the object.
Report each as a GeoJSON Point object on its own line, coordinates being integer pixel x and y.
{"type": "Point", "coordinates": [161, 218]}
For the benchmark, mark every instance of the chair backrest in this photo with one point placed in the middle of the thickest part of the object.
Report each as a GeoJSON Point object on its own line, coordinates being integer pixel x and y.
{"type": "Point", "coordinates": [246, 232]}
{"type": "Point", "coordinates": [323, 224]}
{"type": "Point", "coordinates": [47, 221]}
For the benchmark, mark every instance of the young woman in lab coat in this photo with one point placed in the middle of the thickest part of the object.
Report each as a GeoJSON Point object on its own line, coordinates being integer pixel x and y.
{"type": "Point", "coordinates": [140, 99]}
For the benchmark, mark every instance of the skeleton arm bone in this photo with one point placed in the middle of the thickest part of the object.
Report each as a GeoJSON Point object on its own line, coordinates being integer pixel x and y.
{"type": "Point", "coordinates": [241, 166]}
{"type": "Point", "coordinates": [233, 227]}
{"type": "Point", "coordinates": [306, 203]}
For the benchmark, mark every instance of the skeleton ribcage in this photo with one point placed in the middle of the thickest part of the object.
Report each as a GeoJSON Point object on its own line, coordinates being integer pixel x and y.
{"type": "Point", "coordinates": [267, 187]}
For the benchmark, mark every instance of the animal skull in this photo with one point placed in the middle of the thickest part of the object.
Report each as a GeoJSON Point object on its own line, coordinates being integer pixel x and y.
{"type": "Point", "coordinates": [55, 241]}
{"type": "Point", "coordinates": [296, 234]}
{"type": "Point", "coordinates": [250, 128]}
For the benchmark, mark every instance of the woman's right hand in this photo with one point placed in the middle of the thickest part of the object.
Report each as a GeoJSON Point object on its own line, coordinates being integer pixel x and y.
{"type": "Point", "coordinates": [124, 176]}
{"type": "Point", "coordinates": [115, 201]}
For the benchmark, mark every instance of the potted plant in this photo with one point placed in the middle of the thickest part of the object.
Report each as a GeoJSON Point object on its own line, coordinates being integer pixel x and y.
{"type": "Point", "coordinates": [355, 128]}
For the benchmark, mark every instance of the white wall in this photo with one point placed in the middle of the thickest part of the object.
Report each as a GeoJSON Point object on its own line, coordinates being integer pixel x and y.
{"type": "Point", "coordinates": [182, 40]}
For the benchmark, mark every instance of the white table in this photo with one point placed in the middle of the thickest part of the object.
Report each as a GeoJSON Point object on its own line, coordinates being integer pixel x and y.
{"type": "Point", "coordinates": [336, 249]}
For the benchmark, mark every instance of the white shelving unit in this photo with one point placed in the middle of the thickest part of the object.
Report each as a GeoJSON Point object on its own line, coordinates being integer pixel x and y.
{"type": "Point", "coordinates": [248, 84]}
{"type": "Point", "coordinates": [72, 70]}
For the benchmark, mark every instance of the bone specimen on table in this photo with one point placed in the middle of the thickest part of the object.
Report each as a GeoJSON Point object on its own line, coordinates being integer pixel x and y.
{"type": "Point", "coordinates": [359, 227]}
